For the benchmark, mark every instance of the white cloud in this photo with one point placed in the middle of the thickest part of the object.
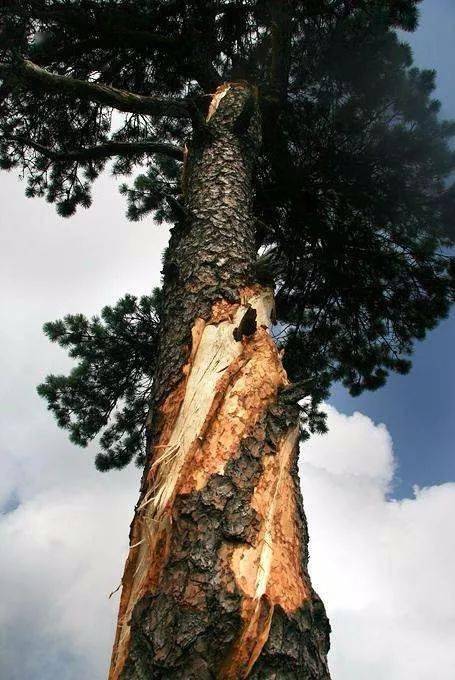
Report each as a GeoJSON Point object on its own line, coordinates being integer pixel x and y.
{"type": "Point", "coordinates": [62, 554]}
{"type": "Point", "coordinates": [384, 568]}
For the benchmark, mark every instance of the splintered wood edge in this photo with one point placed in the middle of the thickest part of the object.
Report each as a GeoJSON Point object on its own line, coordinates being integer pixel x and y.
{"type": "Point", "coordinates": [185, 413]}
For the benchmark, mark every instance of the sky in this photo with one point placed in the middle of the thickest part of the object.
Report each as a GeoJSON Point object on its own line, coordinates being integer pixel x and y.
{"type": "Point", "coordinates": [379, 489]}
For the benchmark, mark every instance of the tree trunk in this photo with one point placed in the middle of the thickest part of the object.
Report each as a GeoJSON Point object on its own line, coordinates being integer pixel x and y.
{"type": "Point", "coordinates": [216, 582]}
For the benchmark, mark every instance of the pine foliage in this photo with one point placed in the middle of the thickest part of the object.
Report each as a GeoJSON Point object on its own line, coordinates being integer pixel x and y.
{"type": "Point", "coordinates": [107, 392]}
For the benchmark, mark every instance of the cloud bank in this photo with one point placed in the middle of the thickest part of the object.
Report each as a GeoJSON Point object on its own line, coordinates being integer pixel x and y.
{"type": "Point", "coordinates": [384, 568]}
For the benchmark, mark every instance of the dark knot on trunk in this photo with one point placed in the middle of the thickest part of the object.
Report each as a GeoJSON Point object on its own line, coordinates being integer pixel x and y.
{"type": "Point", "coordinates": [247, 325]}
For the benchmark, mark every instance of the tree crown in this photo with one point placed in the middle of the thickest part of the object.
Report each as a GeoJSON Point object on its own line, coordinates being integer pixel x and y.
{"type": "Point", "coordinates": [352, 190]}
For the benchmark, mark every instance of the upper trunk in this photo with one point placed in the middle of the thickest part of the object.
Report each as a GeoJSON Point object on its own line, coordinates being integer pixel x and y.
{"type": "Point", "coordinates": [211, 254]}
{"type": "Point", "coordinates": [216, 582]}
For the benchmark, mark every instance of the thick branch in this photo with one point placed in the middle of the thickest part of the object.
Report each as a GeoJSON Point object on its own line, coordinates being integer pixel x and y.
{"type": "Point", "coordinates": [26, 73]}
{"type": "Point", "coordinates": [102, 150]}
{"type": "Point", "coordinates": [293, 393]}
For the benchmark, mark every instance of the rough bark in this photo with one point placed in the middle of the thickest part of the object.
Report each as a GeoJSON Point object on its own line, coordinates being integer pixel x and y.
{"type": "Point", "coordinates": [216, 582]}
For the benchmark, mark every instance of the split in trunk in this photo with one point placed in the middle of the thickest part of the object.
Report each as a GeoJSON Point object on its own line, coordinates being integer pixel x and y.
{"type": "Point", "coordinates": [216, 582]}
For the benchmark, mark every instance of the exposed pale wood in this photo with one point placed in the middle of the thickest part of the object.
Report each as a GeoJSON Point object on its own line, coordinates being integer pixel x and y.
{"type": "Point", "coordinates": [228, 385]}
{"type": "Point", "coordinates": [221, 92]}
{"type": "Point", "coordinates": [269, 572]}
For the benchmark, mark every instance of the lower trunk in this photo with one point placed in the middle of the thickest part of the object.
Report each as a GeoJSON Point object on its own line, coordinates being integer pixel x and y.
{"type": "Point", "coordinates": [216, 582]}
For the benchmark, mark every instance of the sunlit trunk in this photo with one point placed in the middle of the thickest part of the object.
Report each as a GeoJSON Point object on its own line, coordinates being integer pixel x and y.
{"type": "Point", "coordinates": [216, 582]}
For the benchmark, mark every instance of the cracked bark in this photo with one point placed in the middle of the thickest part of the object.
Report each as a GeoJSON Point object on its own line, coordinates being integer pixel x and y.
{"type": "Point", "coordinates": [216, 582]}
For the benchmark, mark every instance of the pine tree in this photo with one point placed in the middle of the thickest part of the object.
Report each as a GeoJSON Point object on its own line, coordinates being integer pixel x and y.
{"type": "Point", "coordinates": [300, 158]}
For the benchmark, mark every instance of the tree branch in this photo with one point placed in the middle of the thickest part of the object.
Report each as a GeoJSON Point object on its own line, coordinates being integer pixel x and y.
{"type": "Point", "coordinates": [102, 150]}
{"type": "Point", "coordinates": [26, 73]}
